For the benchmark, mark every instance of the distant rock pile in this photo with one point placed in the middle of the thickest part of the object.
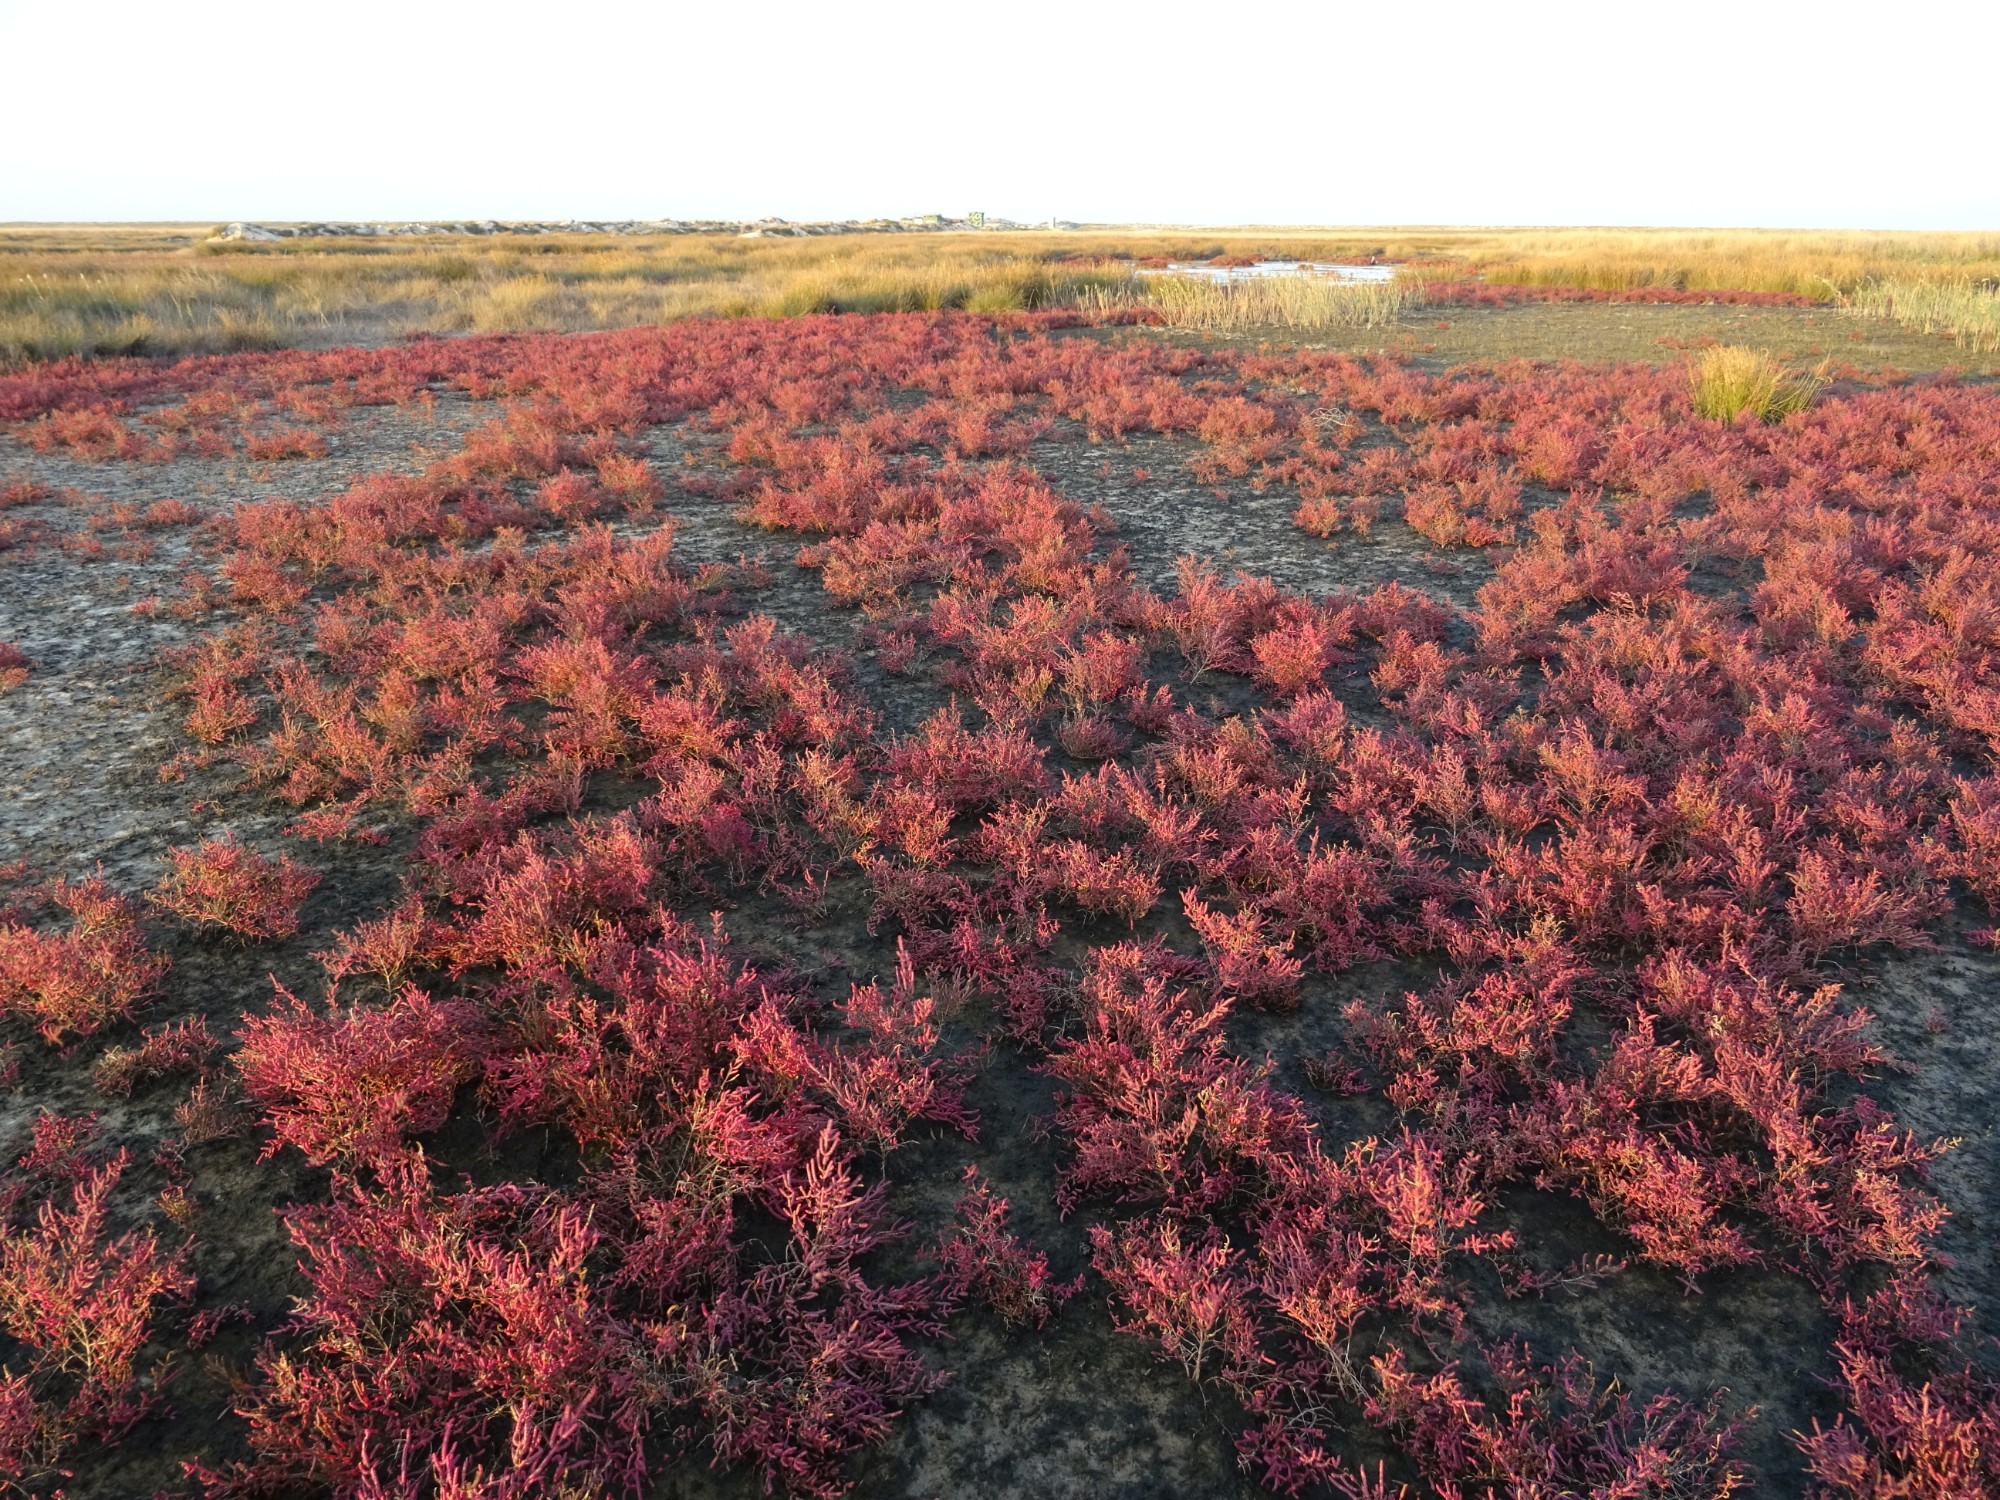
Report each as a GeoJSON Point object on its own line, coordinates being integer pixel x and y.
{"type": "Point", "coordinates": [922, 223]}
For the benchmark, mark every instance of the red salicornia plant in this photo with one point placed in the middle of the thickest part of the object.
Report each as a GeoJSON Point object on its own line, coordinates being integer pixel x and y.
{"type": "Point", "coordinates": [223, 886]}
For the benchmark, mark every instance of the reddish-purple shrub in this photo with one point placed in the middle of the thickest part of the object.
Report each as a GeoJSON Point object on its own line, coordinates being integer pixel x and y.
{"type": "Point", "coordinates": [1191, 1298]}
{"type": "Point", "coordinates": [176, 1047]}
{"type": "Point", "coordinates": [1559, 1432]}
{"type": "Point", "coordinates": [223, 885]}
{"type": "Point", "coordinates": [803, 1359]}
{"type": "Point", "coordinates": [88, 976]}
{"type": "Point", "coordinates": [474, 1324]}
{"type": "Point", "coordinates": [613, 1061]}
{"type": "Point", "coordinates": [1247, 964]}
{"type": "Point", "coordinates": [1938, 1438]}
{"type": "Point", "coordinates": [1292, 657]}
{"type": "Point", "coordinates": [285, 442]}
{"type": "Point", "coordinates": [980, 1258]}
{"type": "Point", "coordinates": [1157, 1111]}
{"type": "Point", "coordinates": [349, 1086]}
{"type": "Point", "coordinates": [81, 1306]}
{"type": "Point", "coordinates": [389, 948]}
{"type": "Point", "coordinates": [890, 1076]}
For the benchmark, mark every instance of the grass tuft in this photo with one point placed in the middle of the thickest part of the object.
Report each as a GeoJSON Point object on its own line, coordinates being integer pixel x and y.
{"type": "Point", "coordinates": [1729, 380]}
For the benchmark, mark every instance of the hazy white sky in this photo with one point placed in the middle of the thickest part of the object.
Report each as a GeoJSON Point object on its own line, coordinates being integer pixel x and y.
{"type": "Point", "coordinates": [1324, 113]}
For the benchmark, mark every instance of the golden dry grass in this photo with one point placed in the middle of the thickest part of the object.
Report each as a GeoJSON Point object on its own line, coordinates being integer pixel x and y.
{"type": "Point", "coordinates": [1811, 263]}
{"type": "Point", "coordinates": [63, 293]}
{"type": "Point", "coordinates": [87, 289]}
{"type": "Point", "coordinates": [1299, 304]}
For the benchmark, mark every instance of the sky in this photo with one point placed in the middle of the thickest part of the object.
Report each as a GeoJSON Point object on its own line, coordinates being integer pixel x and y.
{"type": "Point", "coordinates": [1697, 113]}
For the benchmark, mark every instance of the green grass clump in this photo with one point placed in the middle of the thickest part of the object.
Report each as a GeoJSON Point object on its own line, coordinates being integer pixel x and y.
{"type": "Point", "coordinates": [1730, 380]}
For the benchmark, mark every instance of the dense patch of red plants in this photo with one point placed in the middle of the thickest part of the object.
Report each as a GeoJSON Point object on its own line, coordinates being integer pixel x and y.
{"type": "Point", "coordinates": [1726, 710]}
{"type": "Point", "coordinates": [80, 1305]}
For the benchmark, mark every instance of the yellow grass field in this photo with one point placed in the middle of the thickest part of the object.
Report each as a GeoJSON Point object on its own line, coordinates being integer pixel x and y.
{"type": "Point", "coordinates": [173, 288]}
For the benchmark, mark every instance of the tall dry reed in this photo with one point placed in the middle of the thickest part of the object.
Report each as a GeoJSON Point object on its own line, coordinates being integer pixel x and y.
{"type": "Point", "coordinates": [1298, 303]}
{"type": "Point", "coordinates": [1968, 314]}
